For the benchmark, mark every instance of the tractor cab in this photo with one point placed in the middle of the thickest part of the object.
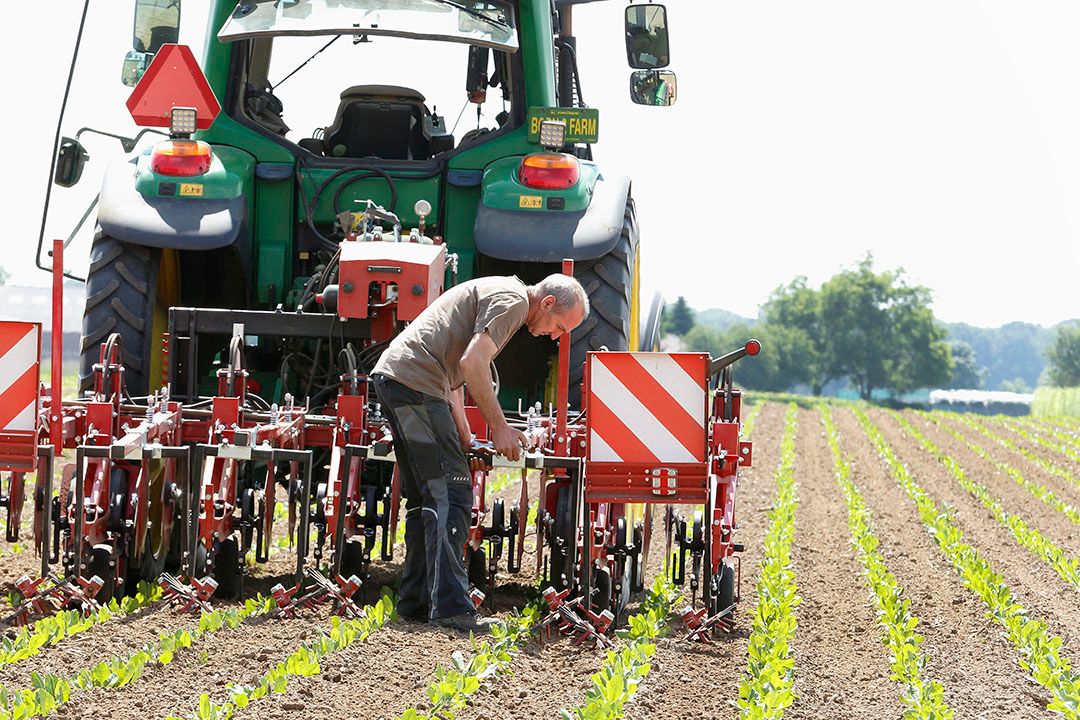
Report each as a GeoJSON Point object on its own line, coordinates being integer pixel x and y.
{"type": "Point", "coordinates": [404, 61]}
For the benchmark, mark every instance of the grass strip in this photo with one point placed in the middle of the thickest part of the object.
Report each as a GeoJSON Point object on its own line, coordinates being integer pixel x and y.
{"type": "Point", "coordinates": [1067, 568]}
{"type": "Point", "coordinates": [924, 700]}
{"type": "Point", "coordinates": [66, 623]}
{"type": "Point", "coordinates": [1032, 457]}
{"type": "Point", "coordinates": [49, 691]}
{"type": "Point", "coordinates": [1037, 490]}
{"type": "Point", "coordinates": [765, 688]}
{"type": "Point", "coordinates": [302, 662]}
{"type": "Point", "coordinates": [1039, 651]}
{"type": "Point", "coordinates": [622, 671]}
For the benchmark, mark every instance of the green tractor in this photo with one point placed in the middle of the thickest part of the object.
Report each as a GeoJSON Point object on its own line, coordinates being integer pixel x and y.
{"type": "Point", "coordinates": [241, 211]}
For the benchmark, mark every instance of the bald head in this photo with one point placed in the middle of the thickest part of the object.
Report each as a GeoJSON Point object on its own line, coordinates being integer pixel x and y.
{"type": "Point", "coordinates": [557, 305]}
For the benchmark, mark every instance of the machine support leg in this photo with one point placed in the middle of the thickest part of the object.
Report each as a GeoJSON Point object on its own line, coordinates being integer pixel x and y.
{"type": "Point", "coordinates": [80, 510]}
{"type": "Point", "coordinates": [46, 462]}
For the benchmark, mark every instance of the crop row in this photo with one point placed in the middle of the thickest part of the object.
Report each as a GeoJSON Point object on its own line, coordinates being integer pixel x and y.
{"type": "Point", "coordinates": [626, 665]}
{"type": "Point", "coordinates": [66, 623]}
{"type": "Point", "coordinates": [924, 699]}
{"type": "Point", "coordinates": [1067, 568]}
{"type": "Point", "coordinates": [1061, 432]}
{"type": "Point", "coordinates": [1032, 457]}
{"type": "Point", "coordinates": [302, 662]}
{"type": "Point", "coordinates": [765, 688]}
{"type": "Point", "coordinates": [1039, 651]}
{"type": "Point", "coordinates": [1062, 446]}
{"type": "Point", "coordinates": [749, 419]}
{"type": "Point", "coordinates": [49, 691]}
{"type": "Point", "coordinates": [1036, 489]}
{"type": "Point", "coordinates": [452, 686]}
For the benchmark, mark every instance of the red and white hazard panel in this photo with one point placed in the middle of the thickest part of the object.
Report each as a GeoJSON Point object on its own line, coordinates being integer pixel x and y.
{"type": "Point", "coordinates": [20, 373]}
{"type": "Point", "coordinates": [647, 407]}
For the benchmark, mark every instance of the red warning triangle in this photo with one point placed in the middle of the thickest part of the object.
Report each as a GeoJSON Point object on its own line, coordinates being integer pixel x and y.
{"type": "Point", "coordinates": [173, 79]}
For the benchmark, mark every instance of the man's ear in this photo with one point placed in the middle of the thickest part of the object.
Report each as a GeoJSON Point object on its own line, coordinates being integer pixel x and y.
{"type": "Point", "coordinates": [547, 302]}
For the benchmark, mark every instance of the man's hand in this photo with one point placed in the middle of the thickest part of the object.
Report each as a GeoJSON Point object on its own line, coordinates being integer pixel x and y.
{"type": "Point", "coordinates": [480, 457]}
{"type": "Point", "coordinates": [508, 442]}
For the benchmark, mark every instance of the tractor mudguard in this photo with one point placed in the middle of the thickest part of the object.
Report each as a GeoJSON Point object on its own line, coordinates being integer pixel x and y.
{"type": "Point", "coordinates": [508, 230]}
{"type": "Point", "coordinates": [205, 212]}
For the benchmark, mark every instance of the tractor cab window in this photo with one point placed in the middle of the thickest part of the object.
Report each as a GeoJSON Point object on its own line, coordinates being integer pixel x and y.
{"type": "Point", "coordinates": [375, 79]}
{"type": "Point", "coordinates": [374, 96]}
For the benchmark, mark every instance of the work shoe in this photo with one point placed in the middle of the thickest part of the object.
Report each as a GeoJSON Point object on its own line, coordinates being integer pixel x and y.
{"type": "Point", "coordinates": [468, 622]}
{"type": "Point", "coordinates": [419, 617]}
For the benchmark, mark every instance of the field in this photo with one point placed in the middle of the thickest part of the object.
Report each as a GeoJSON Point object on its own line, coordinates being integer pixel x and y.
{"type": "Point", "coordinates": [896, 565]}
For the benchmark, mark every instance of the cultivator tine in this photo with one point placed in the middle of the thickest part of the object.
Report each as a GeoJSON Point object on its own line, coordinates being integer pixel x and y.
{"type": "Point", "coordinates": [43, 505]}
{"type": "Point", "coordinates": [39, 601]}
{"type": "Point", "coordinates": [338, 593]}
{"type": "Point", "coordinates": [565, 618]}
{"type": "Point", "coordinates": [195, 596]}
{"type": "Point", "coordinates": [701, 627]}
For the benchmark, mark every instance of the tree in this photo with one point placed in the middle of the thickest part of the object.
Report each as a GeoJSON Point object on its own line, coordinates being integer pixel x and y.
{"type": "Point", "coordinates": [879, 333]}
{"type": "Point", "coordinates": [4, 275]}
{"type": "Point", "coordinates": [967, 373]}
{"type": "Point", "coordinates": [792, 314]}
{"type": "Point", "coordinates": [679, 319]}
{"type": "Point", "coordinates": [1063, 357]}
{"type": "Point", "coordinates": [777, 368]}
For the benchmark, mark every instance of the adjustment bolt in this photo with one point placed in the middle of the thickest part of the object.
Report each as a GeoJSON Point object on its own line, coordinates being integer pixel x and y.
{"type": "Point", "coordinates": [348, 287]}
{"type": "Point", "coordinates": [418, 289]}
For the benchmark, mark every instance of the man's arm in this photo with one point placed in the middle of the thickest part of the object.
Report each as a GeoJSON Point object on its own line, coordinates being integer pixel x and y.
{"type": "Point", "coordinates": [461, 422]}
{"type": "Point", "coordinates": [476, 367]}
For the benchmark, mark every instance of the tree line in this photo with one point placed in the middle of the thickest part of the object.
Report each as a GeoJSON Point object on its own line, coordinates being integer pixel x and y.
{"type": "Point", "coordinates": [872, 330]}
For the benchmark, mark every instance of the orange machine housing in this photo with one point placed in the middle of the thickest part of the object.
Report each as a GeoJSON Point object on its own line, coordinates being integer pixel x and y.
{"type": "Point", "coordinates": [371, 271]}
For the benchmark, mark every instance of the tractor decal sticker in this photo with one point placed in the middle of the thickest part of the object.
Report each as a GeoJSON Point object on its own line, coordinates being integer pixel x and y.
{"type": "Point", "coordinates": [647, 407]}
{"type": "Point", "coordinates": [533, 202]}
{"type": "Point", "coordinates": [191, 190]}
{"type": "Point", "coordinates": [19, 375]}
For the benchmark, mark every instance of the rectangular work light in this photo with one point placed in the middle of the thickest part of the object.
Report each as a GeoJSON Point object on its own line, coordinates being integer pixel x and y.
{"type": "Point", "coordinates": [182, 121]}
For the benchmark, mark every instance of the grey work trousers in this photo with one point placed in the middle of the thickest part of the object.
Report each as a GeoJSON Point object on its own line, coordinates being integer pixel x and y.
{"type": "Point", "coordinates": [436, 483]}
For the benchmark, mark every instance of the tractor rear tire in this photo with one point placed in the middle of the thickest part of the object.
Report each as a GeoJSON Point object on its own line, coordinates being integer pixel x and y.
{"type": "Point", "coordinates": [609, 283]}
{"type": "Point", "coordinates": [121, 287]}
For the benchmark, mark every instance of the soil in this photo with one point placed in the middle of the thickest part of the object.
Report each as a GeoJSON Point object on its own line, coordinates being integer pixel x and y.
{"type": "Point", "coordinates": [965, 651]}
{"type": "Point", "coordinates": [1033, 582]}
{"type": "Point", "coordinates": [1054, 525]}
{"type": "Point", "coordinates": [239, 656]}
{"type": "Point", "coordinates": [118, 636]}
{"type": "Point", "coordinates": [377, 678]}
{"type": "Point", "coordinates": [694, 680]}
{"type": "Point", "coordinates": [842, 669]}
{"type": "Point", "coordinates": [841, 666]}
{"type": "Point", "coordinates": [1064, 489]}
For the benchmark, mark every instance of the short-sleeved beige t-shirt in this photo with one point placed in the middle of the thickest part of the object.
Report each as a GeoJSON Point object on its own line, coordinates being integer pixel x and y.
{"type": "Point", "coordinates": [426, 355]}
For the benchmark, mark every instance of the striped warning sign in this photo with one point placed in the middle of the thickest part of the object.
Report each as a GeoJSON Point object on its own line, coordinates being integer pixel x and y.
{"type": "Point", "coordinates": [20, 373]}
{"type": "Point", "coordinates": [647, 407]}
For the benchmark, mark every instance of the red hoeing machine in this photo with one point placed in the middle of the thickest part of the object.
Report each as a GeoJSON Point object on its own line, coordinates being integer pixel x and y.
{"type": "Point", "coordinates": [183, 487]}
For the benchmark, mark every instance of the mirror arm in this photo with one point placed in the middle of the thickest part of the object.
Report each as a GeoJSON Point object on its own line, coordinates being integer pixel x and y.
{"type": "Point", "coordinates": [56, 148]}
{"type": "Point", "coordinates": [127, 143]}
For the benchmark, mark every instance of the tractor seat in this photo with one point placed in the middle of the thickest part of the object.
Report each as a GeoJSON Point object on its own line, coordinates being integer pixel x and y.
{"type": "Point", "coordinates": [383, 121]}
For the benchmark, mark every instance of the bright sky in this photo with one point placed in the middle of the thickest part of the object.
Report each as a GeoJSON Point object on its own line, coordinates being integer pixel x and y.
{"type": "Point", "coordinates": [943, 137]}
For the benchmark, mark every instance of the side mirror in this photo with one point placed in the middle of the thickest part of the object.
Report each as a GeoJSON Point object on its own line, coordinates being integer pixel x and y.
{"type": "Point", "coordinates": [70, 159]}
{"type": "Point", "coordinates": [135, 64]}
{"type": "Point", "coordinates": [647, 36]}
{"type": "Point", "coordinates": [653, 87]}
{"type": "Point", "coordinates": [156, 22]}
